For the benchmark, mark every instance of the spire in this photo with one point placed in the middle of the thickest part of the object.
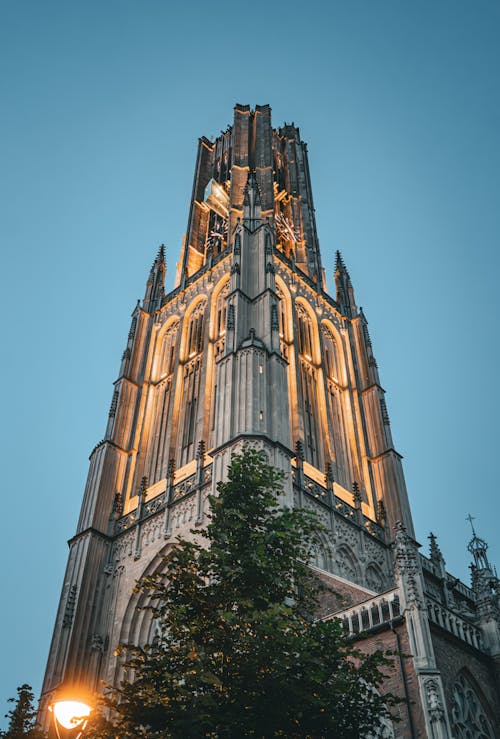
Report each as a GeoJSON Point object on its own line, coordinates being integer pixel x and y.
{"type": "Point", "coordinates": [345, 292]}
{"type": "Point", "coordinates": [478, 548]}
{"type": "Point", "coordinates": [155, 286]}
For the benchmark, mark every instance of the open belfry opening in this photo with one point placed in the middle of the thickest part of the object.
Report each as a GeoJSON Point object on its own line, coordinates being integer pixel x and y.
{"type": "Point", "coordinates": [249, 348]}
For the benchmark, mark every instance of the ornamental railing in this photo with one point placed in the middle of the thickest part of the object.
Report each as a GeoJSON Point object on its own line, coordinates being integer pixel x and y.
{"type": "Point", "coordinates": [370, 614]}
{"type": "Point", "coordinates": [453, 623]}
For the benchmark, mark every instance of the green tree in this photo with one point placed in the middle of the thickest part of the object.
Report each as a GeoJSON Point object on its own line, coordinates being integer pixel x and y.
{"type": "Point", "coordinates": [240, 653]}
{"type": "Point", "coordinates": [22, 718]}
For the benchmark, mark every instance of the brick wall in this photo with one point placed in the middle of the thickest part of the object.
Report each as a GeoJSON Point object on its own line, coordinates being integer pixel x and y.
{"type": "Point", "coordinates": [338, 595]}
{"type": "Point", "coordinates": [401, 680]}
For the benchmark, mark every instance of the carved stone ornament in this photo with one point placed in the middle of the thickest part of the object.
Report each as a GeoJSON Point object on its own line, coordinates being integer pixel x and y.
{"type": "Point", "coordinates": [97, 643]}
{"type": "Point", "coordinates": [405, 559]}
{"type": "Point", "coordinates": [433, 698]}
{"type": "Point", "coordinates": [406, 565]}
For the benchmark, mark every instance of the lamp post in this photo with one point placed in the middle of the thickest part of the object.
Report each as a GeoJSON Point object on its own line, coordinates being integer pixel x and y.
{"type": "Point", "coordinates": [70, 716]}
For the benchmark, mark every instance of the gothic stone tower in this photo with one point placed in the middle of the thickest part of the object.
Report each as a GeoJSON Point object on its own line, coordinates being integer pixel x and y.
{"type": "Point", "coordinates": [248, 348]}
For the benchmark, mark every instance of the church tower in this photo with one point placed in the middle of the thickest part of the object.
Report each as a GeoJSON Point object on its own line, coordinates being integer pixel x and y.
{"type": "Point", "coordinates": [248, 348]}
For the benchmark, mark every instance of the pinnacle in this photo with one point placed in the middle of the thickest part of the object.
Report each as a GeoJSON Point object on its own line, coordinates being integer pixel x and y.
{"type": "Point", "coordinates": [341, 268]}
{"type": "Point", "coordinates": [339, 262]}
{"type": "Point", "coordinates": [160, 257]}
{"type": "Point", "coordinates": [434, 550]}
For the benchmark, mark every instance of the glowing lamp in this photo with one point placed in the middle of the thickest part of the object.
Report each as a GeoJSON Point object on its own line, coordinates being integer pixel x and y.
{"type": "Point", "coordinates": [70, 717]}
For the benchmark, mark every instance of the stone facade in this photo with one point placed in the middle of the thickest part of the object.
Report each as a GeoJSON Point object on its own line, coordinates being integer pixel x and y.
{"type": "Point", "coordinates": [249, 348]}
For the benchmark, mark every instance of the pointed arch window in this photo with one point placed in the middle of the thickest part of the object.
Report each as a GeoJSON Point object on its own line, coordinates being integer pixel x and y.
{"type": "Point", "coordinates": [282, 323]}
{"type": "Point", "coordinates": [333, 372]}
{"type": "Point", "coordinates": [168, 346]}
{"type": "Point", "coordinates": [331, 354]}
{"type": "Point", "coordinates": [220, 318]}
{"type": "Point", "coordinates": [305, 340]}
{"type": "Point", "coordinates": [192, 383]}
{"type": "Point", "coordinates": [157, 452]}
{"type": "Point", "coordinates": [195, 333]}
{"type": "Point", "coordinates": [221, 325]}
{"type": "Point", "coordinates": [468, 716]}
{"type": "Point", "coordinates": [308, 387]}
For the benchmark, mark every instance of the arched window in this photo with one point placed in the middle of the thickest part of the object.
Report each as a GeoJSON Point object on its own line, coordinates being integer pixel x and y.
{"type": "Point", "coordinates": [305, 341]}
{"type": "Point", "coordinates": [219, 313]}
{"type": "Point", "coordinates": [192, 383]}
{"type": "Point", "coordinates": [282, 323]}
{"type": "Point", "coordinates": [157, 447]}
{"type": "Point", "coordinates": [220, 317]}
{"type": "Point", "coordinates": [308, 386]}
{"type": "Point", "coordinates": [167, 353]}
{"type": "Point", "coordinates": [333, 372]}
{"type": "Point", "coordinates": [468, 716]}
{"type": "Point", "coordinates": [195, 333]}
{"type": "Point", "coordinates": [331, 355]}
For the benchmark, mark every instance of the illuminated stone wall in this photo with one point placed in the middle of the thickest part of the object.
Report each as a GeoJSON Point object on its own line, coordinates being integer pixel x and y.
{"type": "Point", "coordinates": [248, 348]}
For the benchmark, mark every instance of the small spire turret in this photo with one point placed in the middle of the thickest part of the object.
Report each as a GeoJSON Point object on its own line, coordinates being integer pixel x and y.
{"type": "Point", "coordinates": [434, 550]}
{"type": "Point", "coordinates": [345, 291]}
{"type": "Point", "coordinates": [155, 286]}
{"type": "Point", "coordinates": [478, 548]}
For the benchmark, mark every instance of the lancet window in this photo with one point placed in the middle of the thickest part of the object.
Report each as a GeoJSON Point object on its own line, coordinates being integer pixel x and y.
{"type": "Point", "coordinates": [220, 339]}
{"type": "Point", "coordinates": [221, 311]}
{"type": "Point", "coordinates": [195, 333]}
{"type": "Point", "coordinates": [167, 357]}
{"type": "Point", "coordinates": [308, 386]}
{"type": "Point", "coordinates": [331, 354]}
{"type": "Point", "coordinates": [157, 449]}
{"type": "Point", "coordinates": [282, 323]}
{"type": "Point", "coordinates": [332, 370]}
{"type": "Point", "coordinates": [305, 340]}
{"type": "Point", "coordinates": [220, 320]}
{"type": "Point", "coordinates": [192, 383]}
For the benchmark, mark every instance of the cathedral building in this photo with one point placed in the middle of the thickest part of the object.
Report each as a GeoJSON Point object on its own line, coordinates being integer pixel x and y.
{"type": "Point", "coordinates": [249, 348]}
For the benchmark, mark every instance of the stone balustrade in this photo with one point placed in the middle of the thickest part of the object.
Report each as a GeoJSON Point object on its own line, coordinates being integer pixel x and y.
{"type": "Point", "coordinates": [453, 623]}
{"type": "Point", "coordinates": [369, 614]}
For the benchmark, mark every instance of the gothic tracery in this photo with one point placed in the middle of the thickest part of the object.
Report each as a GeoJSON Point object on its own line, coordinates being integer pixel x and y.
{"type": "Point", "coordinates": [468, 716]}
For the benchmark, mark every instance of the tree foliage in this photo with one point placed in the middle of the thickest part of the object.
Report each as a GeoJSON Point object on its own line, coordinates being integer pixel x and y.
{"type": "Point", "coordinates": [239, 652]}
{"type": "Point", "coordinates": [22, 718]}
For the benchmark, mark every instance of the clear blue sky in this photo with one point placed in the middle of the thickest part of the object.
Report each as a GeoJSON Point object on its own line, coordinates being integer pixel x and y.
{"type": "Point", "coordinates": [102, 105]}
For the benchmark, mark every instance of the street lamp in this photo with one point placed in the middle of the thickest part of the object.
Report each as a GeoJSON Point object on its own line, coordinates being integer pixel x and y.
{"type": "Point", "coordinates": [70, 716]}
